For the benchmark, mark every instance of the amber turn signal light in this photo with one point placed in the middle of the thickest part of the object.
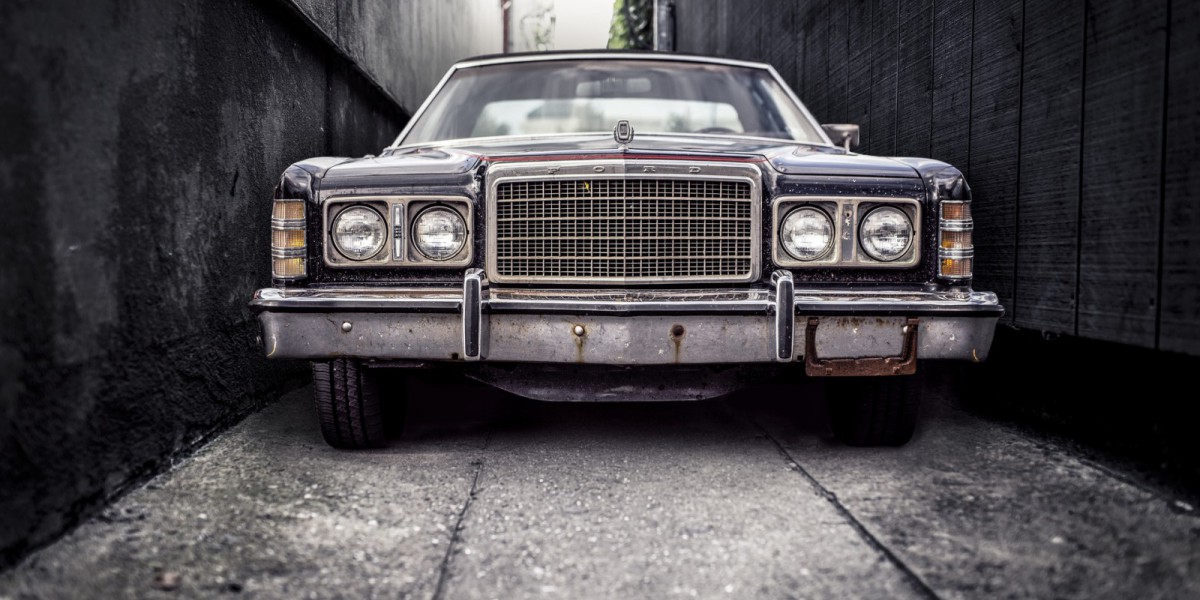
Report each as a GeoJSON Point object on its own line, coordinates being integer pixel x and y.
{"type": "Point", "coordinates": [957, 240]}
{"type": "Point", "coordinates": [956, 211]}
{"type": "Point", "coordinates": [288, 267]}
{"type": "Point", "coordinates": [956, 268]}
{"type": "Point", "coordinates": [288, 209]}
{"type": "Point", "coordinates": [957, 250]}
{"type": "Point", "coordinates": [288, 243]}
{"type": "Point", "coordinates": [287, 238]}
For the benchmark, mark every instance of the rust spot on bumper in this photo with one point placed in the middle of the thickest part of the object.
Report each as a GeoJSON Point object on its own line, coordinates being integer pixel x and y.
{"type": "Point", "coordinates": [677, 334]}
{"type": "Point", "coordinates": [905, 364]}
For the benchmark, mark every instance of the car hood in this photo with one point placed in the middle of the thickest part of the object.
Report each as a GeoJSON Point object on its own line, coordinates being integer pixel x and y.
{"type": "Point", "coordinates": [787, 158]}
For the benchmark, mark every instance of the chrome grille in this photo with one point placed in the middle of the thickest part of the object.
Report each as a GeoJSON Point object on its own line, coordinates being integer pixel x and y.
{"type": "Point", "coordinates": [629, 229]}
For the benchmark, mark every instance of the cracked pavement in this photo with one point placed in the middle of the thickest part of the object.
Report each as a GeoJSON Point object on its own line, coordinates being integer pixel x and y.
{"type": "Point", "coordinates": [487, 496]}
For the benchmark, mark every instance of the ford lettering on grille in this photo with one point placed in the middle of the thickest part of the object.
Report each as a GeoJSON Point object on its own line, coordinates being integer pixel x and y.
{"type": "Point", "coordinates": [596, 229]}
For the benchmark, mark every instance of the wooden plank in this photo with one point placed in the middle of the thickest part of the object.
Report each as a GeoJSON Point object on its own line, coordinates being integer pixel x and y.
{"type": "Point", "coordinates": [779, 35]}
{"type": "Point", "coordinates": [994, 144]}
{"type": "Point", "coordinates": [883, 78]}
{"type": "Point", "coordinates": [814, 24]}
{"type": "Point", "coordinates": [1179, 324]}
{"type": "Point", "coordinates": [914, 84]}
{"type": "Point", "coordinates": [858, 75]}
{"type": "Point", "coordinates": [691, 32]}
{"type": "Point", "coordinates": [1122, 147]}
{"type": "Point", "coordinates": [1048, 196]}
{"type": "Point", "coordinates": [952, 45]}
{"type": "Point", "coordinates": [721, 27]}
{"type": "Point", "coordinates": [838, 59]}
{"type": "Point", "coordinates": [745, 23]}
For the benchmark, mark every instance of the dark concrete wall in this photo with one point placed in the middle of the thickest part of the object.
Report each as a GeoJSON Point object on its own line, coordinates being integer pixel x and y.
{"type": "Point", "coordinates": [1077, 124]}
{"type": "Point", "coordinates": [430, 35]}
{"type": "Point", "coordinates": [140, 142]}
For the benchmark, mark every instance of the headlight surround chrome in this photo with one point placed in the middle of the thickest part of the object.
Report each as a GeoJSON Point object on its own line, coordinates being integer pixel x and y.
{"type": "Point", "coordinates": [439, 233]}
{"type": "Point", "coordinates": [359, 232]}
{"type": "Point", "coordinates": [806, 233]}
{"type": "Point", "coordinates": [886, 233]}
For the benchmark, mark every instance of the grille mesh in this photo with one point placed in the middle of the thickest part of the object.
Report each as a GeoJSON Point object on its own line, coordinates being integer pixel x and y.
{"type": "Point", "coordinates": [593, 229]}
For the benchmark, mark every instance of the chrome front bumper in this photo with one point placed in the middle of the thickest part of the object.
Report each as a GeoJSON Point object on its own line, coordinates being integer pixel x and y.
{"type": "Point", "coordinates": [620, 327]}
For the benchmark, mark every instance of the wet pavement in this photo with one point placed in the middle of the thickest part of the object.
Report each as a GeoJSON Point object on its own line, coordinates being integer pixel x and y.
{"type": "Point", "coordinates": [487, 496]}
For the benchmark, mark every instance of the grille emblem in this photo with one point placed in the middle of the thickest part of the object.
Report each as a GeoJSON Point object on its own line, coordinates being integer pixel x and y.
{"type": "Point", "coordinates": [623, 132]}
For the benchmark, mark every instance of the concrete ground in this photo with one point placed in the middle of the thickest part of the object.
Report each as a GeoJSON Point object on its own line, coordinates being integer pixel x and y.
{"type": "Point", "coordinates": [486, 496]}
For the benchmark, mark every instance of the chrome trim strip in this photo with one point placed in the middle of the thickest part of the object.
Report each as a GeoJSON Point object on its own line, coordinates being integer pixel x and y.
{"type": "Point", "coordinates": [755, 300]}
{"type": "Point", "coordinates": [958, 225]}
{"type": "Point", "coordinates": [399, 232]}
{"type": "Point", "coordinates": [627, 169]}
{"type": "Point", "coordinates": [659, 56]}
{"type": "Point", "coordinates": [472, 314]}
{"type": "Point", "coordinates": [288, 223]}
{"type": "Point", "coordinates": [957, 253]}
{"type": "Point", "coordinates": [289, 252]}
{"type": "Point", "coordinates": [394, 299]}
{"type": "Point", "coordinates": [785, 315]}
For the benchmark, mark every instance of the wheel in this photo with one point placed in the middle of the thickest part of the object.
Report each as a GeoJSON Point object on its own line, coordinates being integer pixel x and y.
{"type": "Point", "coordinates": [348, 406]}
{"type": "Point", "coordinates": [874, 411]}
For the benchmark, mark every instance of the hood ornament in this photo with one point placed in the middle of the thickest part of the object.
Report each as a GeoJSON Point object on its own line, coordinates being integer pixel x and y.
{"type": "Point", "coordinates": [623, 133]}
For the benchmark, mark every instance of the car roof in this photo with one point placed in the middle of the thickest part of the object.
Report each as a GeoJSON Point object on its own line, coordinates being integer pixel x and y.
{"type": "Point", "coordinates": [601, 54]}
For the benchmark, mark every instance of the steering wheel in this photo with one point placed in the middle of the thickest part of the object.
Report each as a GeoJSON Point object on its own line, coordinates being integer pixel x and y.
{"type": "Point", "coordinates": [715, 130]}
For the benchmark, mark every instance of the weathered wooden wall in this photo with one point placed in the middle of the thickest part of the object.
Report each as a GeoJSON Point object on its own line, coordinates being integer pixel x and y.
{"type": "Point", "coordinates": [1076, 122]}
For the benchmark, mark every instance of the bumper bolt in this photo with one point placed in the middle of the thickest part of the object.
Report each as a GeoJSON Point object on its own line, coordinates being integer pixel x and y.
{"type": "Point", "coordinates": [578, 330]}
{"type": "Point", "coordinates": [347, 326]}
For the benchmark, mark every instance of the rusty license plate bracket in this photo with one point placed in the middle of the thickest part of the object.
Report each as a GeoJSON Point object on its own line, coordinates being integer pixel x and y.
{"type": "Point", "coordinates": [905, 364]}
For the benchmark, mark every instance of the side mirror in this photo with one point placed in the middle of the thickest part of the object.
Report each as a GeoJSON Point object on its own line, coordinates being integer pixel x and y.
{"type": "Point", "coordinates": [842, 134]}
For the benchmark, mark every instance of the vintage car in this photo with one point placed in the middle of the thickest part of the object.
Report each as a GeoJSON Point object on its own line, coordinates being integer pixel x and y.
{"type": "Point", "coordinates": [623, 226]}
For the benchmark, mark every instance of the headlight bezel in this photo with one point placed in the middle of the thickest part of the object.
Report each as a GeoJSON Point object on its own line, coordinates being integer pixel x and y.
{"type": "Point", "coordinates": [847, 213]}
{"type": "Point", "coordinates": [398, 213]}
{"type": "Point", "coordinates": [784, 206]}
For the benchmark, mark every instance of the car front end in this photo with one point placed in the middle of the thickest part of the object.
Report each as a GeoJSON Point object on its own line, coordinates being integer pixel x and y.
{"type": "Point", "coordinates": [672, 264]}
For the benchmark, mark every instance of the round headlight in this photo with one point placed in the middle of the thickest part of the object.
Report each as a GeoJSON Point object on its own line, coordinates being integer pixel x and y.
{"type": "Point", "coordinates": [886, 233]}
{"type": "Point", "coordinates": [359, 232]}
{"type": "Point", "coordinates": [439, 233]}
{"type": "Point", "coordinates": [806, 233]}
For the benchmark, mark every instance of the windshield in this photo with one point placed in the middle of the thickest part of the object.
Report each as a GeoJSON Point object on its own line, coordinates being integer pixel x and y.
{"type": "Point", "coordinates": [590, 96]}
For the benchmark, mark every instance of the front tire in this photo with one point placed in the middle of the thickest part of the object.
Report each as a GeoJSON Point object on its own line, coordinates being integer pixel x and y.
{"type": "Point", "coordinates": [874, 411]}
{"type": "Point", "coordinates": [348, 405]}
